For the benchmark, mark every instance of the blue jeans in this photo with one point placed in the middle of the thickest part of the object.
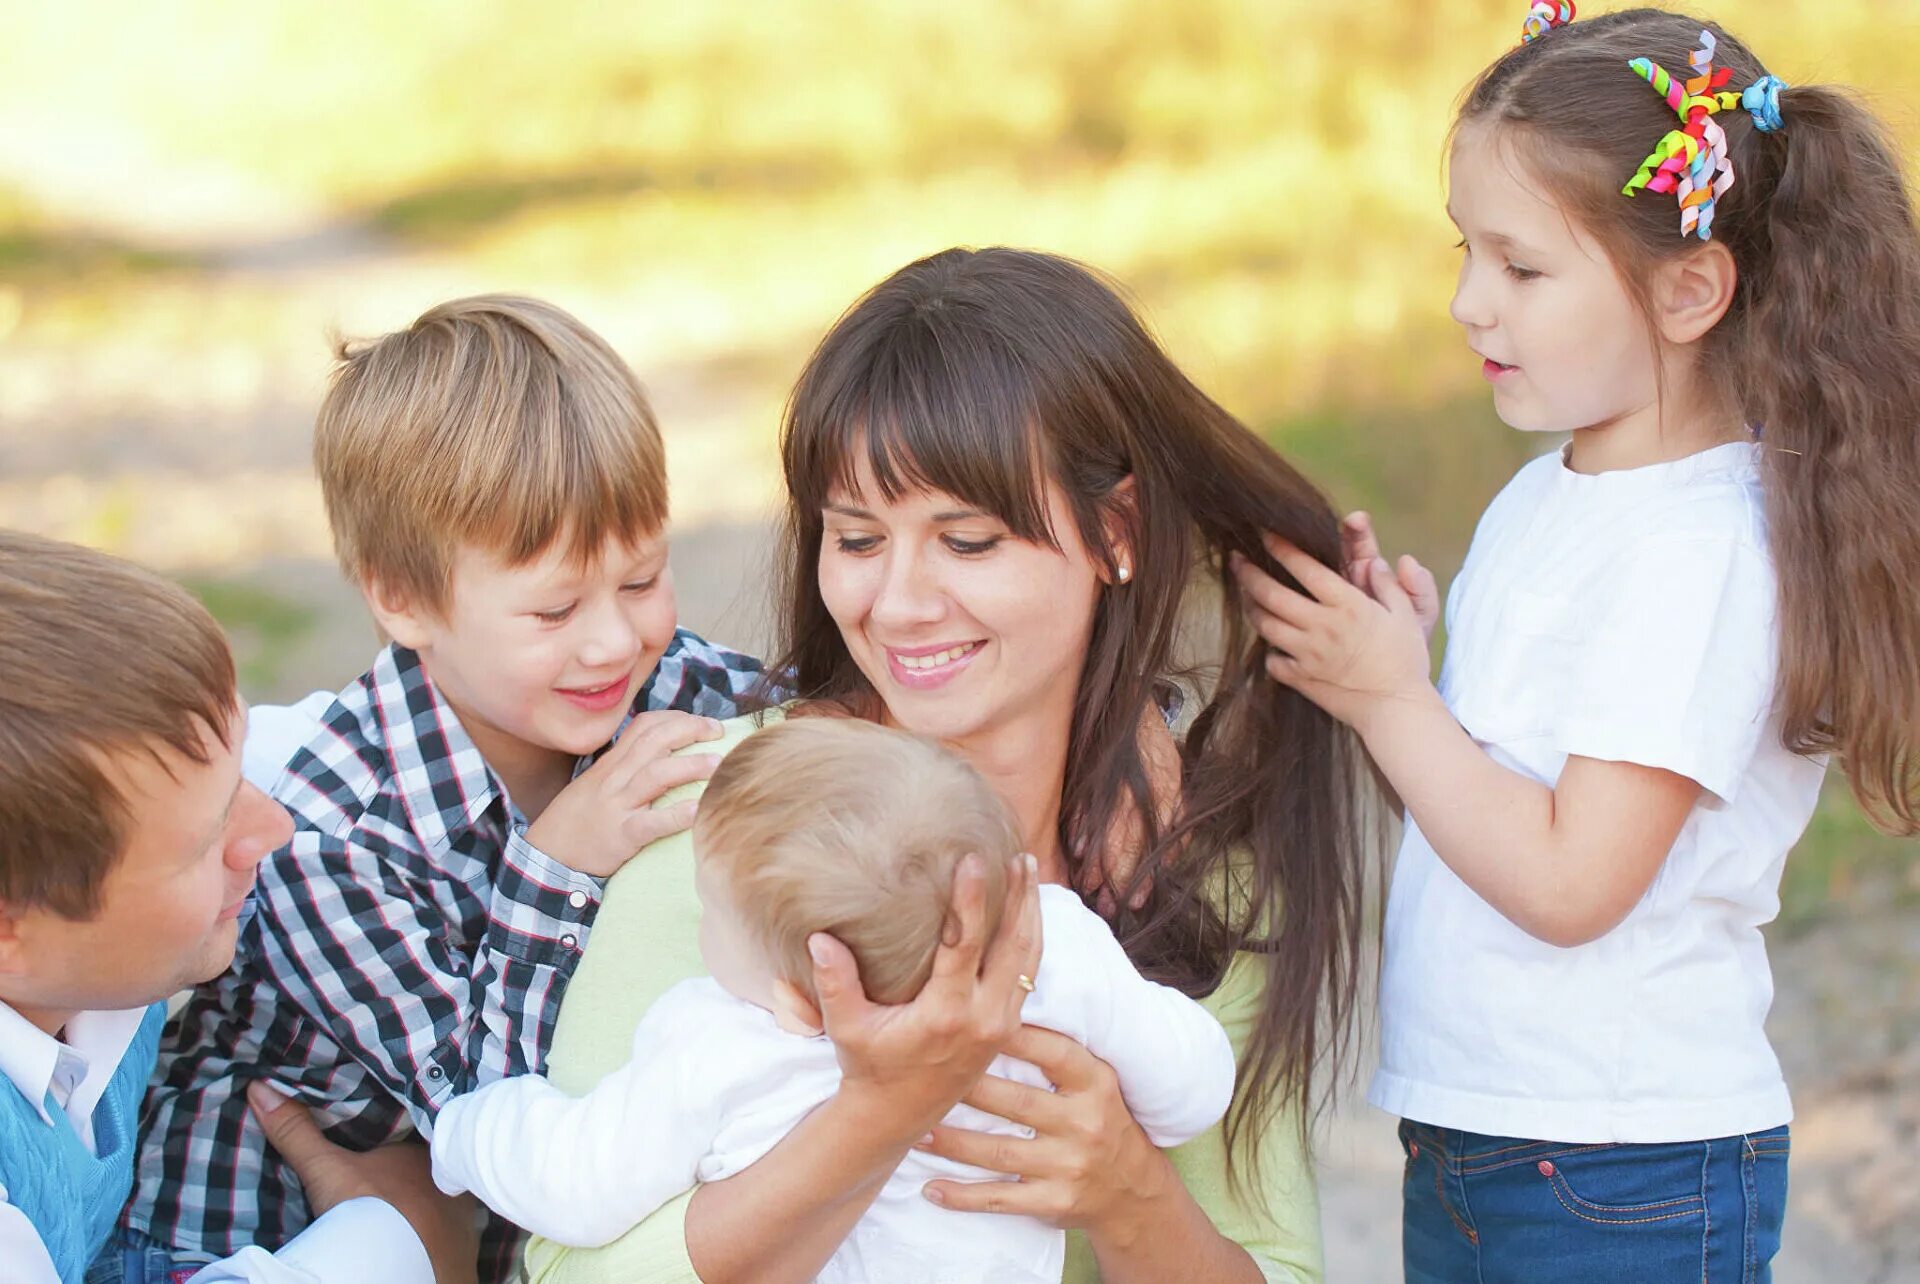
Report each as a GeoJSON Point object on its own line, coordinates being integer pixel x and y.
{"type": "Point", "coordinates": [132, 1258]}
{"type": "Point", "coordinates": [1499, 1210]}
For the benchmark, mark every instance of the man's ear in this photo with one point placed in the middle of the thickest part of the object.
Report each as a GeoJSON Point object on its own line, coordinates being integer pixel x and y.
{"type": "Point", "coordinates": [1692, 291]}
{"type": "Point", "coordinates": [793, 1011]}
{"type": "Point", "coordinates": [13, 953]}
{"type": "Point", "coordinates": [397, 615]}
{"type": "Point", "coordinates": [1122, 519]}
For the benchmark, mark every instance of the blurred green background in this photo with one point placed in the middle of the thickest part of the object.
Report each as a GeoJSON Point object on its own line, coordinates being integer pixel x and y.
{"type": "Point", "coordinates": [194, 194]}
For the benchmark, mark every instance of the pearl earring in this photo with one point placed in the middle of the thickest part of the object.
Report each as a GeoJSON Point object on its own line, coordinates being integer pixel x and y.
{"type": "Point", "coordinates": [1126, 573]}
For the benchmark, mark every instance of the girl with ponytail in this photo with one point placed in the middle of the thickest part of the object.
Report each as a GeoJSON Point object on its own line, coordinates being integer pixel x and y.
{"type": "Point", "coordinates": [1662, 634]}
{"type": "Point", "coordinates": [1002, 501]}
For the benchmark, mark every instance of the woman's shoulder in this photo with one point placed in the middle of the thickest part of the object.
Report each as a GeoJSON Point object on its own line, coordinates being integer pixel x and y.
{"type": "Point", "coordinates": [732, 732]}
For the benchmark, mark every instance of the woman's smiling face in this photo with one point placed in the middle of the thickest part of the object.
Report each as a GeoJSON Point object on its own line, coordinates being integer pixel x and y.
{"type": "Point", "coordinates": [961, 626]}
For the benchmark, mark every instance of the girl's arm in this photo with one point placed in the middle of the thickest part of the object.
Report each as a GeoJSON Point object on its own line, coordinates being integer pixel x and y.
{"type": "Point", "coordinates": [1563, 863]}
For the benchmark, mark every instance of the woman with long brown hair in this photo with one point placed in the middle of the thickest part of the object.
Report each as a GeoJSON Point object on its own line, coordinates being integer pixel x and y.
{"type": "Point", "coordinates": [1002, 497]}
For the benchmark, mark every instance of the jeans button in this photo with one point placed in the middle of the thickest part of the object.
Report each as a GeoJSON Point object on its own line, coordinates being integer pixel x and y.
{"type": "Point", "coordinates": [1415, 1148]}
{"type": "Point", "coordinates": [1546, 1168]}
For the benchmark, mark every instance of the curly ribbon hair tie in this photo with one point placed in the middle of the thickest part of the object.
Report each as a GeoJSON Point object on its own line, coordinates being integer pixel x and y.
{"type": "Point", "coordinates": [1544, 17]}
{"type": "Point", "coordinates": [1692, 161]}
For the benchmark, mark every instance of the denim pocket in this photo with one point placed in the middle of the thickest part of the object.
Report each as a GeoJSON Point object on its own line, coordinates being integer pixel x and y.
{"type": "Point", "coordinates": [1629, 1185]}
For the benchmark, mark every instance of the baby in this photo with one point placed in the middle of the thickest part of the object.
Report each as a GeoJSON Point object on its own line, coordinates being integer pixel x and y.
{"type": "Point", "coordinates": [827, 825]}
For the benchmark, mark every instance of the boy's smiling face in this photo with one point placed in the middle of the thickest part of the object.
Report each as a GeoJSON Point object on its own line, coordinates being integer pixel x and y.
{"type": "Point", "coordinates": [543, 660]}
{"type": "Point", "coordinates": [169, 908]}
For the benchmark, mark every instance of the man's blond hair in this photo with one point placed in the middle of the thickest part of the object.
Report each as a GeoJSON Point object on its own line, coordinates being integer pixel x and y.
{"type": "Point", "coordinates": [97, 657]}
{"type": "Point", "coordinates": [829, 824]}
{"type": "Point", "coordinates": [496, 422]}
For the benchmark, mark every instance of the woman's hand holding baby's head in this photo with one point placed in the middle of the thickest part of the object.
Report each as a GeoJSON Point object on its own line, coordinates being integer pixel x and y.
{"type": "Point", "coordinates": [913, 1061]}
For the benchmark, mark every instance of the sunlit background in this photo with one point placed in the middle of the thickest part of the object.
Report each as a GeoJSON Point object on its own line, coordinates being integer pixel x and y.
{"type": "Point", "coordinates": [194, 195]}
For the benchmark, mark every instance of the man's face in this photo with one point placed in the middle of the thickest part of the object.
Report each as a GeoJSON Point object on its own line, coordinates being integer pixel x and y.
{"type": "Point", "coordinates": [169, 908]}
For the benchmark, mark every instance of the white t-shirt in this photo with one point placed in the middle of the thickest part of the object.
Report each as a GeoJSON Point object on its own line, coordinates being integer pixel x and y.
{"type": "Point", "coordinates": [1626, 616]}
{"type": "Point", "coordinates": [714, 1083]}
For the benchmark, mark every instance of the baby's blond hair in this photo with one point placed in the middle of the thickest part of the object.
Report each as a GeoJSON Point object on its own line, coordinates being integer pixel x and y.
{"type": "Point", "coordinates": [496, 421]}
{"type": "Point", "coordinates": [836, 825]}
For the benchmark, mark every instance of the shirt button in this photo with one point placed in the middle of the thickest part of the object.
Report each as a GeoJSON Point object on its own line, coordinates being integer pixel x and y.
{"type": "Point", "coordinates": [435, 1072]}
{"type": "Point", "coordinates": [578, 900]}
{"type": "Point", "coordinates": [569, 940]}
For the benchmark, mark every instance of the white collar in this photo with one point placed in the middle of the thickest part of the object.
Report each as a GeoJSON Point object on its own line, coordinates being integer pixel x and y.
{"type": "Point", "coordinates": [96, 1041]}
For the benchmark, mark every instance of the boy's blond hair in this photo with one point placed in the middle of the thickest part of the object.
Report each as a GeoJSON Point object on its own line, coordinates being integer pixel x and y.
{"type": "Point", "coordinates": [829, 824]}
{"type": "Point", "coordinates": [496, 422]}
{"type": "Point", "coordinates": [97, 657]}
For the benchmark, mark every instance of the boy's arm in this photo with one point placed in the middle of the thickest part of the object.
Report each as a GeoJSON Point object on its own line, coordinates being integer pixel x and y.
{"type": "Point", "coordinates": [582, 1171]}
{"type": "Point", "coordinates": [438, 983]}
{"type": "Point", "coordinates": [354, 938]}
{"type": "Point", "coordinates": [1173, 1059]}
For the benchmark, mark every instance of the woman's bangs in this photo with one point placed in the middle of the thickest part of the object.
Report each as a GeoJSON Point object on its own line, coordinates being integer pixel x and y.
{"type": "Point", "coordinates": [937, 415]}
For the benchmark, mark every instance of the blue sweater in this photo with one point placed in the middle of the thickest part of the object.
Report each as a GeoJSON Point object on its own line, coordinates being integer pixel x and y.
{"type": "Point", "coordinates": [73, 1197]}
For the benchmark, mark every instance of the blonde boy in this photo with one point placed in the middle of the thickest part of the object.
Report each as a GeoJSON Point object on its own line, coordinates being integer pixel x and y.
{"type": "Point", "coordinates": [496, 487]}
{"type": "Point", "coordinates": [828, 825]}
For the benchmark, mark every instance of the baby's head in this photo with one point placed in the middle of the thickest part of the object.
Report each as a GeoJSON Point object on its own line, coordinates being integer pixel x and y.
{"type": "Point", "coordinates": [826, 824]}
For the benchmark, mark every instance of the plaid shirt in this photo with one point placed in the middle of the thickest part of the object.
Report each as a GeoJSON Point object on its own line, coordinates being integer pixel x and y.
{"type": "Point", "coordinates": [406, 946]}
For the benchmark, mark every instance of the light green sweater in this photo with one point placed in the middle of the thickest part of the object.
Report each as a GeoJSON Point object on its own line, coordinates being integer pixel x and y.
{"type": "Point", "coordinates": [645, 940]}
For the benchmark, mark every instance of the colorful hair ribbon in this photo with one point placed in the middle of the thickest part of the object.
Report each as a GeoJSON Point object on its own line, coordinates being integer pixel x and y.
{"type": "Point", "coordinates": [1543, 17]}
{"type": "Point", "coordinates": [1691, 161]}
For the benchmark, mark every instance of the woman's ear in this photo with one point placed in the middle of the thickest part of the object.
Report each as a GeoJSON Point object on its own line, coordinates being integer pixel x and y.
{"type": "Point", "coordinates": [396, 615]}
{"type": "Point", "coordinates": [1122, 514]}
{"type": "Point", "coordinates": [793, 1011]}
{"type": "Point", "coordinates": [1692, 291]}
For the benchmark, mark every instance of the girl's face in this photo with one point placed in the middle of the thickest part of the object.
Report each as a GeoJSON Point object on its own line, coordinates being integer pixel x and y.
{"type": "Point", "coordinates": [1562, 342]}
{"type": "Point", "coordinates": [961, 627]}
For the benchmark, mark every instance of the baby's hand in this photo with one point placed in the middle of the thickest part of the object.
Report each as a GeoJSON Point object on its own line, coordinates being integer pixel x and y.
{"type": "Point", "coordinates": [1360, 549]}
{"type": "Point", "coordinates": [1342, 649]}
{"type": "Point", "coordinates": [606, 813]}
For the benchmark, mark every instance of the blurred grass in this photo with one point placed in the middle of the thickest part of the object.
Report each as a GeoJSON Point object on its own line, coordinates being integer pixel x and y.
{"type": "Point", "coordinates": [39, 250]}
{"type": "Point", "coordinates": [714, 183]}
{"type": "Point", "coordinates": [262, 624]}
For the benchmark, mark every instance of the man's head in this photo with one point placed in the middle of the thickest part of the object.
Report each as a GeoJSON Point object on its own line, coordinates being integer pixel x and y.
{"type": "Point", "coordinates": [128, 840]}
{"type": "Point", "coordinates": [830, 824]}
{"type": "Point", "coordinates": [496, 486]}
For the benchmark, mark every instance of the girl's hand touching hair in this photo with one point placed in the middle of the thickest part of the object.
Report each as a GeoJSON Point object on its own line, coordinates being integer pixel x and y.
{"type": "Point", "coordinates": [1342, 649]}
{"type": "Point", "coordinates": [1360, 549]}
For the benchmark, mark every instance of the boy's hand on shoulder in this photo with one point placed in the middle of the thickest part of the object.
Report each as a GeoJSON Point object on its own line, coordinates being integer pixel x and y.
{"type": "Point", "coordinates": [606, 814]}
